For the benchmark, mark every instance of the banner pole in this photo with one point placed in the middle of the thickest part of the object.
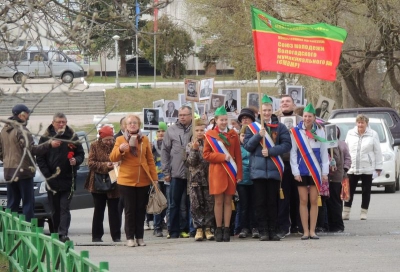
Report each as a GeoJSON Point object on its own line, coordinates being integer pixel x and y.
{"type": "Point", "coordinates": [193, 116]}
{"type": "Point", "coordinates": [260, 103]}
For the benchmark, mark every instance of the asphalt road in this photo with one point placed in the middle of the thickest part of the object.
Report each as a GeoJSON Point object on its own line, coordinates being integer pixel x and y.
{"type": "Point", "coordinates": [371, 245]}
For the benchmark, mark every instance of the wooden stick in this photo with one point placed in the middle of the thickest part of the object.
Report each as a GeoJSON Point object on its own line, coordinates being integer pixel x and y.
{"type": "Point", "coordinates": [260, 104]}
{"type": "Point", "coordinates": [193, 116]}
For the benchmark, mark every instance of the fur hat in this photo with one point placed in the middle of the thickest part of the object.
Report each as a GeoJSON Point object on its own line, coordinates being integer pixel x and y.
{"type": "Point", "coordinates": [246, 112]}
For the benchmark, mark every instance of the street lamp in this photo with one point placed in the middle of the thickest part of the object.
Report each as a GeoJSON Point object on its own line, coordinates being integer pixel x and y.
{"type": "Point", "coordinates": [116, 38]}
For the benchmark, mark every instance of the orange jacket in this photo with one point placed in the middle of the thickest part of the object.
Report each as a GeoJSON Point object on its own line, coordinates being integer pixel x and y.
{"type": "Point", "coordinates": [217, 173]}
{"type": "Point", "coordinates": [135, 171]}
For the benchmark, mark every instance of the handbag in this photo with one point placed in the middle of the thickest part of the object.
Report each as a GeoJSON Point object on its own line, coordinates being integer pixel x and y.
{"type": "Point", "coordinates": [345, 193]}
{"type": "Point", "coordinates": [157, 201]}
{"type": "Point", "coordinates": [324, 191]}
{"type": "Point", "coordinates": [103, 183]}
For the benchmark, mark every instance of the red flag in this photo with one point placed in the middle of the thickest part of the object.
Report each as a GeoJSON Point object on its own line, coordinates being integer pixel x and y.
{"type": "Point", "coordinates": [312, 50]}
{"type": "Point", "coordinates": [155, 17]}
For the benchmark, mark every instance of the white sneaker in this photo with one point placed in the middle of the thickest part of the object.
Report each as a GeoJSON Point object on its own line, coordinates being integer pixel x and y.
{"type": "Point", "coordinates": [151, 225]}
{"type": "Point", "coordinates": [131, 243]}
{"type": "Point", "coordinates": [146, 226]}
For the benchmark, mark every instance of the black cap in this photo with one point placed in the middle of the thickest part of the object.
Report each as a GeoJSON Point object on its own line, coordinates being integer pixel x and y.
{"type": "Point", "coordinates": [17, 109]}
{"type": "Point", "coordinates": [247, 112]}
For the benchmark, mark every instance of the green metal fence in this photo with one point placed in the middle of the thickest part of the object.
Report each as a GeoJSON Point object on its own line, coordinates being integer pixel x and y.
{"type": "Point", "coordinates": [28, 249]}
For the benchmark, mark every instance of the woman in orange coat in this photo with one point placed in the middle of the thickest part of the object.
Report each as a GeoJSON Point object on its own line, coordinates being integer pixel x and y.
{"type": "Point", "coordinates": [136, 172]}
{"type": "Point", "coordinates": [222, 151]}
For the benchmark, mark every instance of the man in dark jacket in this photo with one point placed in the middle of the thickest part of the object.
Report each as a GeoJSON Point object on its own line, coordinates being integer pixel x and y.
{"type": "Point", "coordinates": [14, 138]}
{"type": "Point", "coordinates": [59, 166]}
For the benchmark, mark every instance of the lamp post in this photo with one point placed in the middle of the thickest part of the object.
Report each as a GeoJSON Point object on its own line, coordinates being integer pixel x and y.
{"type": "Point", "coordinates": [116, 38]}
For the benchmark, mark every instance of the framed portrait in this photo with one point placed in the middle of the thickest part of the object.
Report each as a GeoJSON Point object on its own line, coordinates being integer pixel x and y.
{"type": "Point", "coordinates": [192, 90]}
{"type": "Point", "coordinates": [324, 107]}
{"type": "Point", "coordinates": [151, 118]}
{"type": "Point", "coordinates": [201, 108]}
{"type": "Point", "coordinates": [216, 101]}
{"type": "Point", "coordinates": [233, 101]}
{"type": "Point", "coordinates": [170, 110]}
{"type": "Point", "coordinates": [331, 135]}
{"type": "Point", "coordinates": [288, 121]}
{"type": "Point", "coordinates": [182, 99]}
{"type": "Point", "coordinates": [206, 88]}
{"type": "Point", "coordinates": [297, 93]}
{"type": "Point", "coordinates": [159, 104]}
{"type": "Point", "coordinates": [252, 100]}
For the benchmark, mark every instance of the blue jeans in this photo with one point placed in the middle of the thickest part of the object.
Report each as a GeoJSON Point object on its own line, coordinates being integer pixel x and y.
{"type": "Point", "coordinates": [246, 211]}
{"type": "Point", "coordinates": [158, 218]}
{"type": "Point", "coordinates": [21, 189]}
{"type": "Point", "coordinates": [177, 188]}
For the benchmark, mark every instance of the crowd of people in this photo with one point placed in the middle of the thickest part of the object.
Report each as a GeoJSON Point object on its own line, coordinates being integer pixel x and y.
{"type": "Point", "coordinates": [253, 177]}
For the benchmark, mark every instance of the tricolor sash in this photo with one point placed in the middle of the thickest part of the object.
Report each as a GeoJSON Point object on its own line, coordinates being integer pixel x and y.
{"type": "Point", "coordinates": [255, 129]}
{"type": "Point", "coordinates": [219, 147]}
{"type": "Point", "coordinates": [308, 156]}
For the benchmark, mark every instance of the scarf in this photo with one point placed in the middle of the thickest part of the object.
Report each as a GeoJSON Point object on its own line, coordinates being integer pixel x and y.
{"type": "Point", "coordinates": [133, 140]}
{"type": "Point", "coordinates": [312, 134]}
{"type": "Point", "coordinates": [223, 135]}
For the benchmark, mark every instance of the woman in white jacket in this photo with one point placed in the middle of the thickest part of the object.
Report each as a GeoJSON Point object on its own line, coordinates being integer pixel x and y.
{"type": "Point", "coordinates": [366, 157]}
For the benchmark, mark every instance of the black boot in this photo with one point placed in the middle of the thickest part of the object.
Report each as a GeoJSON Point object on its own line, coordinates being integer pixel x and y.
{"type": "Point", "coordinates": [264, 235]}
{"type": "Point", "coordinates": [273, 236]}
{"type": "Point", "coordinates": [227, 234]}
{"type": "Point", "coordinates": [218, 234]}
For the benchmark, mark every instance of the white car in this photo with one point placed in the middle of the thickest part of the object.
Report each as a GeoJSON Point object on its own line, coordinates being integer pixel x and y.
{"type": "Point", "coordinates": [390, 154]}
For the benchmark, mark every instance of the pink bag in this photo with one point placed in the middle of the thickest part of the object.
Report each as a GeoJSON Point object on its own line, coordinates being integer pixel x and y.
{"type": "Point", "coordinates": [324, 191]}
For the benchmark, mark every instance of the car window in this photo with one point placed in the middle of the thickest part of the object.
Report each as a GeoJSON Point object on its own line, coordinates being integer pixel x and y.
{"type": "Point", "coordinates": [83, 140]}
{"type": "Point", "coordinates": [378, 115]}
{"type": "Point", "coordinates": [379, 129]}
{"type": "Point", "coordinates": [345, 127]}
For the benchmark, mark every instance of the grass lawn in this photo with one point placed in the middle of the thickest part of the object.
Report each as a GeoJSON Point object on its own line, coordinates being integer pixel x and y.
{"type": "Point", "coordinates": [131, 99]}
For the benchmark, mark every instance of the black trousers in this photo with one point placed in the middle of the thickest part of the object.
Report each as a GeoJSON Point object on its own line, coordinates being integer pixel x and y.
{"type": "Point", "coordinates": [265, 202]}
{"type": "Point", "coordinates": [334, 207]}
{"type": "Point", "coordinates": [60, 211]}
{"type": "Point", "coordinates": [247, 218]}
{"type": "Point", "coordinates": [135, 201]}
{"type": "Point", "coordinates": [366, 184]}
{"type": "Point", "coordinates": [288, 208]}
{"type": "Point", "coordinates": [100, 202]}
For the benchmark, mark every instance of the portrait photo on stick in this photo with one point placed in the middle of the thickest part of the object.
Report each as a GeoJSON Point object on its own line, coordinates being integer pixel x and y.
{"type": "Point", "coordinates": [252, 100]}
{"type": "Point", "coordinates": [171, 110]}
{"type": "Point", "coordinates": [150, 117]}
{"type": "Point", "coordinates": [324, 107]}
{"type": "Point", "coordinates": [216, 101]}
{"type": "Point", "coordinates": [296, 92]}
{"type": "Point", "coordinates": [288, 121]}
{"type": "Point", "coordinates": [331, 134]}
{"type": "Point", "coordinates": [206, 88]}
{"type": "Point", "coordinates": [191, 90]}
{"type": "Point", "coordinates": [233, 99]}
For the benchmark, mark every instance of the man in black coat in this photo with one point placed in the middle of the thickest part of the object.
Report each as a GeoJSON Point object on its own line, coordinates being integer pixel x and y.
{"type": "Point", "coordinates": [59, 166]}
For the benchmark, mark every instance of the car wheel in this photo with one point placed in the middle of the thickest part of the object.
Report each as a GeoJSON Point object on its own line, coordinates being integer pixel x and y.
{"type": "Point", "coordinates": [18, 78]}
{"type": "Point", "coordinates": [397, 183]}
{"type": "Point", "coordinates": [67, 77]}
{"type": "Point", "coordinates": [131, 74]}
{"type": "Point", "coordinates": [389, 189]}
